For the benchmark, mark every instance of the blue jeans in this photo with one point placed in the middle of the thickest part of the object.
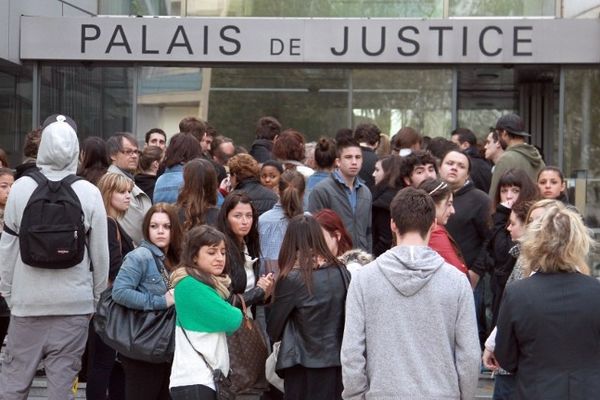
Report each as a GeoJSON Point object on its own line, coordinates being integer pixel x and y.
{"type": "Point", "coordinates": [193, 392]}
{"type": "Point", "coordinates": [504, 387]}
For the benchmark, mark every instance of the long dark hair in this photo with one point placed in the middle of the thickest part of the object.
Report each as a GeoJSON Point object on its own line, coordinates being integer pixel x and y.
{"type": "Point", "coordinates": [302, 243]}
{"type": "Point", "coordinates": [174, 250]}
{"type": "Point", "coordinates": [391, 173]}
{"type": "Point", "coordinates": [183, 147]}
{"type": "Point", "coordinates": [196, 238]}
{"type": "Point", "coordinates": [199, 192]}
{"type": "Point", "coordinates": [95, 161]}
{"type": "Point", "coordinates": [251, 240]}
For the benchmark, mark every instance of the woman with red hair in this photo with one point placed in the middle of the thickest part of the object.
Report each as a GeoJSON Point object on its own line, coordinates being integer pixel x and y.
{"type": "Point", "coordinates": [339, 240]}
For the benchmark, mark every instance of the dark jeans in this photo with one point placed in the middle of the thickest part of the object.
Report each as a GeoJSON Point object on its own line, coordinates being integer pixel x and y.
{"type": "Point", "coordinates": [302, 383]}
{"type": "Point", "coordinates": [193, 392]}
{"type": "Point", "coordinates": [478, 295]}
{"type": "Point", "coordinates": [104, 373]}
{"type": "Point", "coordinates": [504, 387]}
{"type": "Point", "coordinates": [144, 380]}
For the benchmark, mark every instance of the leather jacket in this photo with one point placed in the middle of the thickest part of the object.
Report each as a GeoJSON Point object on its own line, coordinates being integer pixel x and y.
{"type": "Point", "coordinates": [310, 325]}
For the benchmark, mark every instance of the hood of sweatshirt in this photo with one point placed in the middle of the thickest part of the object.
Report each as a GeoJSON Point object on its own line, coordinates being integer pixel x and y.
{"type": "Point", "coordinates": [58, 154]}
{"type": "Point", "coordinates": [409, 268]}
{"type": "Point", "coordinates": [529, 152]}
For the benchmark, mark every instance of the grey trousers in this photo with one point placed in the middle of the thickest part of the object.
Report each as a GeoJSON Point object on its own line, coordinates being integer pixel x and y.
{"type": "Point", "coordinates": [58, 340]}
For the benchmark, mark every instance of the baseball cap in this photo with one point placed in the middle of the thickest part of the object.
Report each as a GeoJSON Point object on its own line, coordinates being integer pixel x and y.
{"type": "Point", "coordinates": [513, 124]}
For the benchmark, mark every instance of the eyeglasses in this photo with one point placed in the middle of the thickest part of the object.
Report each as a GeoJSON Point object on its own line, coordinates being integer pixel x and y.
{"type": "Point", "coordinates": [130, 152]}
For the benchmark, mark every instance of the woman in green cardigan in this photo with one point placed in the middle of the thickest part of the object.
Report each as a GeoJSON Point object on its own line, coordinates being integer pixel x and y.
{"type": "Point", "coordinates": [204, 317]}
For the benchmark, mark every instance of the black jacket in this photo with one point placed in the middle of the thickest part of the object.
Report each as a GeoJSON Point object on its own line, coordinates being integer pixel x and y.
{"type": "Point", "coordinates": [262, 198]}
{"type": "Point", "coordinates": [117, 249]}
{"type": "Point", "coordinates": [549, 336]}
{"type": "Point", "coordinates": [261, 150]}
{"type": "Point", "coordinates": [310, 327]}
{"type": "Point", "coordinates": [481, 170]}
{"type": "Point", "coordinates": [382, 234]}
{"type": "Point", "coordinates": [496, 258]}
{"type": "Point", "coordinates": [146, 182]}
{"type": "Point", "coordinates": [469, 225]}
{"type": "Point", "coordinates": [368, 166]}
{"type": "Point", "coordinates": [234, 267]}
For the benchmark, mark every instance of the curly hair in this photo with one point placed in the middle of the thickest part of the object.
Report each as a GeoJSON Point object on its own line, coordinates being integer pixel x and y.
{"type": "Point", "coordinates": [243, 166]}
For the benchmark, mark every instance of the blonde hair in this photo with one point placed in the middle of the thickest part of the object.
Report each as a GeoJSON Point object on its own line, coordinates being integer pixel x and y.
{"type": "Point", "coordinates": [556, 242]}
{"type": "Point", "coordinates": [109, 184]}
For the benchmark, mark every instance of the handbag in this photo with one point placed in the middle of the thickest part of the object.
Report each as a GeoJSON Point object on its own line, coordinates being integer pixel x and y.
{"type": "Point", "coordinates": [247, 354]}
{"type": "Point", "coordinates": [270, 365]}
{"type": "Point", "coordinates": [222, 383]}
{"type": "Point", "coordinates": [142, 335]}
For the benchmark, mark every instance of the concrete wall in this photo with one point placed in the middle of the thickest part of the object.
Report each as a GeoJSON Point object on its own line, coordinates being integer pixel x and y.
{"type": "Point", "coordinates": [11, 11]}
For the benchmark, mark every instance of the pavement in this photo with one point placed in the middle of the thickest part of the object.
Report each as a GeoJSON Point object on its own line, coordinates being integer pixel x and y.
{"type": "Point", "coordinates": [39, 392]}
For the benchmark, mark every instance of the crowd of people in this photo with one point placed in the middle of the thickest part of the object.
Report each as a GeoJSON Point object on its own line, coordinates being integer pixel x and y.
{"type": "Point", "coordinates": [381, 268]}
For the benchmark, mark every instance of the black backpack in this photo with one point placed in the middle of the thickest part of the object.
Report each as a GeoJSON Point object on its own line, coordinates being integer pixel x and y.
{"type": "Point", "coordinates": [52, 233]}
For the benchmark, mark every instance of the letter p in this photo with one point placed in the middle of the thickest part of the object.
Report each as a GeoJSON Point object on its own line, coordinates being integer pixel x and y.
{"type": "Point", "coordinates": [84, 35]}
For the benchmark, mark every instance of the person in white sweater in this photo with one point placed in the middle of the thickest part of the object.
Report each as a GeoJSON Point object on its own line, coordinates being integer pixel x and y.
{"type": "Point", "coordinates": [51, 308]}
{"type": "Point", "coordinates": [410, 327]}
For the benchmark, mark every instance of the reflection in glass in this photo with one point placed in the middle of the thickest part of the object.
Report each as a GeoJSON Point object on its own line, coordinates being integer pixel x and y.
{"type": "Point", "coordinates": [15, 111]}
{"type": "Point", "coordinates": [501, 8]}
{"type": "Point", "coordinates": [168, 94]}
{"type": "Point", "coordinates": [97, 98]}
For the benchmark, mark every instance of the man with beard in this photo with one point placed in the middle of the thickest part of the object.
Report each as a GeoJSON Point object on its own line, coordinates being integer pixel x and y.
{"type": "Point", "coordinates": [518, 154]}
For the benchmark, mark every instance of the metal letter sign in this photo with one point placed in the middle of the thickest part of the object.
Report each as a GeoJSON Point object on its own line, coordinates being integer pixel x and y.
{"type": "Point", "coordinates": [311, 40]}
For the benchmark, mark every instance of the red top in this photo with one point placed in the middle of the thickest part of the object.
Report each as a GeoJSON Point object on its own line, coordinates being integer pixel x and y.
{"type": "Point", "coordinates": [441, 242]}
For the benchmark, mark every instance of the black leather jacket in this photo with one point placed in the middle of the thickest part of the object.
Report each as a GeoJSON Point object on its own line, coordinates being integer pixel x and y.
{"type": "Point", "coordinates": [310, 327]}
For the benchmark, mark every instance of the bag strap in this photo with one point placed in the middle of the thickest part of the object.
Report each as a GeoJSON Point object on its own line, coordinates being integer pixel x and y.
{"type": "Point", "coordinates": [244, 310]}
{"type": "Point", "coordinates": [212, 370]}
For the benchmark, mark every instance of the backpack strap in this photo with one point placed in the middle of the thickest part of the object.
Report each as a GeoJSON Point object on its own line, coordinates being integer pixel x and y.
{"type": "Point", "coordinates": [40, 179]}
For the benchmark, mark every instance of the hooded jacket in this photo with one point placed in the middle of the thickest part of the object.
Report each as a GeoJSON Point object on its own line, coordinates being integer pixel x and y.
{"type": "Point", "coordinates": [523, 156]}
{"type": "Point", "coordinates": [33, 291]}
{"type": "Point", "coordinates": [410, 329]}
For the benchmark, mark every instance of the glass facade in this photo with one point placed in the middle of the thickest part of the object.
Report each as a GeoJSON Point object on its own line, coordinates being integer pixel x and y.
{"type": "Point", "coordinates": [98, 98]}
{"type": "Point", "coordinates": [16, 97]}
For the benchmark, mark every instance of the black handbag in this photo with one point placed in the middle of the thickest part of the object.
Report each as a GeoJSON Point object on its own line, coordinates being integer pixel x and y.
{"type": "Point", "coordinates": [142, 335]}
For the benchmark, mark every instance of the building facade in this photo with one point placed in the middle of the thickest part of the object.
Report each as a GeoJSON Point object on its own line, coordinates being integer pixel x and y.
{"type": "Point", "coordinates": [129, 65]}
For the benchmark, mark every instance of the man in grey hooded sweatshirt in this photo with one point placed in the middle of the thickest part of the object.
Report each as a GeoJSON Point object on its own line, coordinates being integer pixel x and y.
{"type": "Point", "coordinates": [50, 308]}
{"type": "Point", "coordinates": [410, 328]}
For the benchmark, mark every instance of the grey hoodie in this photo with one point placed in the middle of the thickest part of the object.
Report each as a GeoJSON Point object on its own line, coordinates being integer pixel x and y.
{"type": "Point", "coordinates": [410, 329]}
{"type": "Point", "coordinates": [42, 292]}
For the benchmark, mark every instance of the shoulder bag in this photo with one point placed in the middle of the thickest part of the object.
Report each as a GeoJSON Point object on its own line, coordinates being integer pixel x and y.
{"type": "Point", "coordinates": [247, 354]}
{"type": "Point", "coordinates": [142, 335]}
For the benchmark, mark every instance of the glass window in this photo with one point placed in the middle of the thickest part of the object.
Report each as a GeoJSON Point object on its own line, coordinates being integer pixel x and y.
{"type": "Point", "coordinates": [97, 98]}
{"type": "Point", "coordinates": [582, 145]}
{"type": "Point", "coordinates": [501, 8]}
{"type": "Point", "coordinates": [166, 95]}
{"type": "Point", "coordinates": [392, 99]}
{"type": "Point", "coordinates": [314, 101]}
{"type": "Point", "coordinates": [15, 111]}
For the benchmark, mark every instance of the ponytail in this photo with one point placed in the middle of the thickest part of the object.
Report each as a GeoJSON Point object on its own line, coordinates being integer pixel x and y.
{"type": "Point", "coordinates": [291, 193]}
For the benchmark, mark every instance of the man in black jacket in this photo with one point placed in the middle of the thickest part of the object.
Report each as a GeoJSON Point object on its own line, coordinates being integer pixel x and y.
{"type": "Point", "coordinates": [267, 130]}
{"type": "Point", "coordinates": [481, 170]}
{"type": "Point", "coordinates": [367, 135]}
{"type": "Point", "coordinates": [469, 225]}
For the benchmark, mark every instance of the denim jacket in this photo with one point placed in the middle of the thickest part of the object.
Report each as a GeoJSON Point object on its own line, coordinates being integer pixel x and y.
{"type": "Point", "coordinates": [168, 185]}
{"type": "Point", "coordinates": [139, 283]}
